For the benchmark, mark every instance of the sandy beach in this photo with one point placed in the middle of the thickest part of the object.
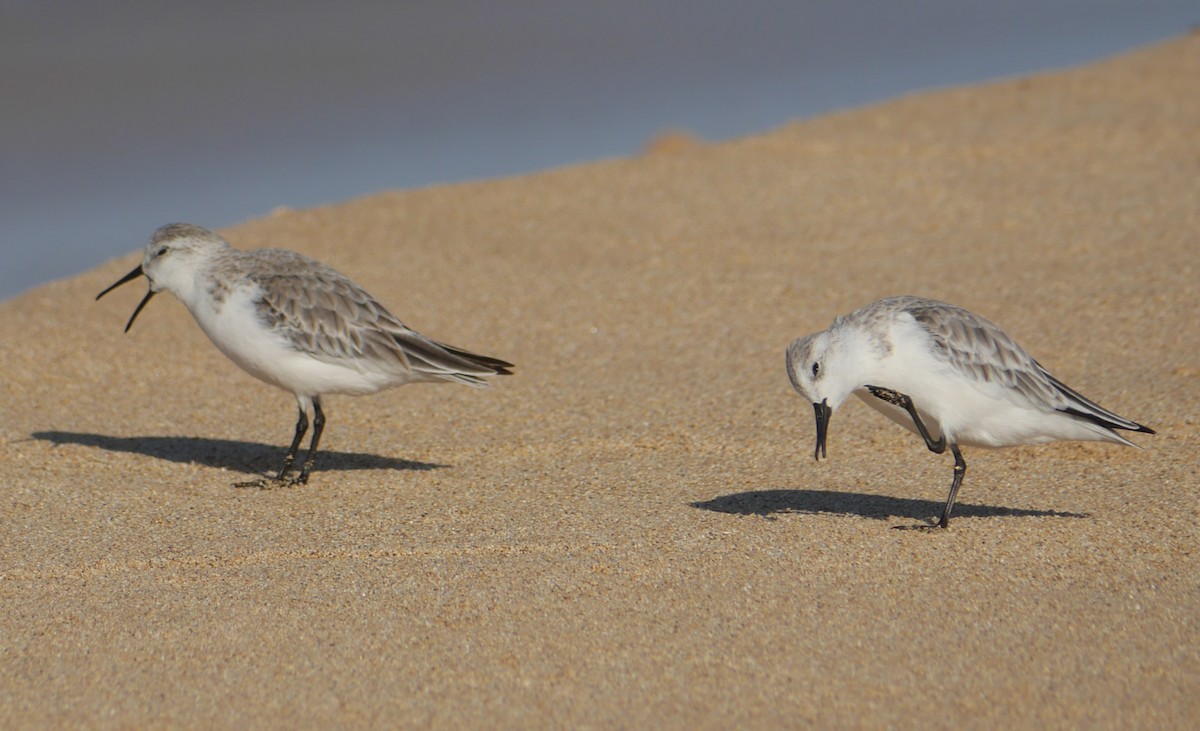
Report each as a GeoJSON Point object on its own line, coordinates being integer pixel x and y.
{"type": "Point", "coordinates": [631, 531]}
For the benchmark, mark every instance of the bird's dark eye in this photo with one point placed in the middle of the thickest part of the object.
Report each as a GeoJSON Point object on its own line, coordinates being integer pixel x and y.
{"type": "Point", "coordinates": [816, 367]}
{"type": "Point", "coordinates": [161, 250]}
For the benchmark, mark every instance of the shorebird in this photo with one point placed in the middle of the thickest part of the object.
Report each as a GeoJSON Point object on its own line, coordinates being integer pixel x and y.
{"type": "Point", "coordinates": [946, 374]}
{"type": "Point", "coordinates": [297, 324]}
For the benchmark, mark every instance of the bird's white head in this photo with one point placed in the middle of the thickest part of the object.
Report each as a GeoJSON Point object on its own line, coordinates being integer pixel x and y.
{"type": "Point", "coordinates": [822, 370]}
{"type": "Point", "coordinates": [170, 261]}
{"type": "Point", "coordinates": [174, 252]}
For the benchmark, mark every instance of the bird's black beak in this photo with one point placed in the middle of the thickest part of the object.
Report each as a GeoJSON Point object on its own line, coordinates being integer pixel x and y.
{"type": "Point", "coordinates": [823, 414]}
{"type": "Point", "coordinates": [137, 272]}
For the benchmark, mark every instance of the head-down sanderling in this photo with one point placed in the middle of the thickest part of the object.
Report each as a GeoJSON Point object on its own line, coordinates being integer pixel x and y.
{"type": "Point", "coordinates": [946, 374]}
{"type": "Point", "coordinates": [297, 324]}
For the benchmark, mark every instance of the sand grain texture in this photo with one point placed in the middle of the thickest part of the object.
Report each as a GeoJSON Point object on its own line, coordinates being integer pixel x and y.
{"type": "Point", "coordinates": [631, 532]}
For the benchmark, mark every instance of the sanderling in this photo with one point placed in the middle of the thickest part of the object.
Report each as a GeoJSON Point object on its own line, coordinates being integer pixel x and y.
{"type": "Point", "coordinates": [297, 324]}
{"type": "Point", "coordinates": [937, 369]}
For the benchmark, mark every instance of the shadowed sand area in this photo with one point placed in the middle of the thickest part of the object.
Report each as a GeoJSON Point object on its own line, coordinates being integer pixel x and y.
{"type": "Point", "coordinates": [631, 531]}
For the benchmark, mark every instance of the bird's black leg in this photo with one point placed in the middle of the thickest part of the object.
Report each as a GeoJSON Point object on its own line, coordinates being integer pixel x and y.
{"type": "Point", "coordinates": [289, 458]}
{"type": "Point", "coordinates": [896, 398]}
{"type": "Point", "coordinates": [311, 457]}
{"type": "Point", "coordinates": [937, 447]}
{"type": "Point", "coordinates": [960, 469]}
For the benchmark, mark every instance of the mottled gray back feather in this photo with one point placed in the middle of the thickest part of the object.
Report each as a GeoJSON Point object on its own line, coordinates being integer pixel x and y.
{"type": "Point", "coordinates": [979, 349]}
{"type": "Point", "coordinates": [323, 313]}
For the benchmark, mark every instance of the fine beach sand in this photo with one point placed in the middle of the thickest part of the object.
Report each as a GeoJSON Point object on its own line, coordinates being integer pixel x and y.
{"type": "Point", "coordinates": [631, 531]}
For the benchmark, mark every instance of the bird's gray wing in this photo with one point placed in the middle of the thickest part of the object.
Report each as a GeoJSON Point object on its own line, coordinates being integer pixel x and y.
{"type": "Point", "coordinates": [979, 349]}
{"type": "Point", "coordinates": [323, 313]}
{"type": "Point", "coordinates": [982, 351]}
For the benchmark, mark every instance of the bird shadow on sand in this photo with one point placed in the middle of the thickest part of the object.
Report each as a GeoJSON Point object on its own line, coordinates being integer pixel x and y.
{"type": "Point", "coordinates": [766, 503]}
{"type": "Point", "coordinates": [246, 457]}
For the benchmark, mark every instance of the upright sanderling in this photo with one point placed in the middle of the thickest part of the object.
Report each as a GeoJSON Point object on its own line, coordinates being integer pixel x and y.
{"type": "Point", "coordinates": [937, 369]}
{"type": "Point", "coordinates": [296, 324]}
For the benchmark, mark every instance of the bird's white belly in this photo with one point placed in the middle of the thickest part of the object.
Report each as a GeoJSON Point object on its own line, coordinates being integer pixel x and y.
{"type": "Point", "coordinates": [234, 327]}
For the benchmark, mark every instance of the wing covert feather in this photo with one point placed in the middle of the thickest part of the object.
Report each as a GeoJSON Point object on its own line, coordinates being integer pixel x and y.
{"type": "Point", "coordinates": [323, 313]}
{"type": "Point", "coordinates": [980, 349]}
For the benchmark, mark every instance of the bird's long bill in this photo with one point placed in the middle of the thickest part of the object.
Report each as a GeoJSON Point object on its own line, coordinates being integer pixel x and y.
{"type": "Point", "coordinates": [137, 272]}
{"type": "Point", "coordinates": [823, 413]}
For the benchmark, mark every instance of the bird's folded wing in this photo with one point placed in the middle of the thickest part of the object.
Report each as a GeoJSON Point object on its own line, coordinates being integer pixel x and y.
{"type": "Point", "coordinates": [332, 319]}
{"type": "Point", "coordinates": [982, 351]}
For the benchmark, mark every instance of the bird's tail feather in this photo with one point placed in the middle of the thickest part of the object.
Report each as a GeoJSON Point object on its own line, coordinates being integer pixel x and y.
{"type": "Point", "coordinates": [1084, 408]}
{"type": "Point", "coordinates": [446, 362]}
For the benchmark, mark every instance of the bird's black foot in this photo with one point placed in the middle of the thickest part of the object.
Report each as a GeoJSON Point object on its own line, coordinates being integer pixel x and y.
{"type": "Point", "coordinates": [925, 526]}
{"type": "Point", "coordinates": [262, 483]}
{"type": "Point", "coordinates": [281, 479]}
{"type": "Point", "coordinates": [270, 483]}
{"type": "Point", "coordinates": [895, 398]}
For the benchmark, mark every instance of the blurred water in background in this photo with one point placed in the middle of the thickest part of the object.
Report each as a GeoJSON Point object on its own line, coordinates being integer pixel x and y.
{"type": "Point", "coordinates": [120, 116]}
